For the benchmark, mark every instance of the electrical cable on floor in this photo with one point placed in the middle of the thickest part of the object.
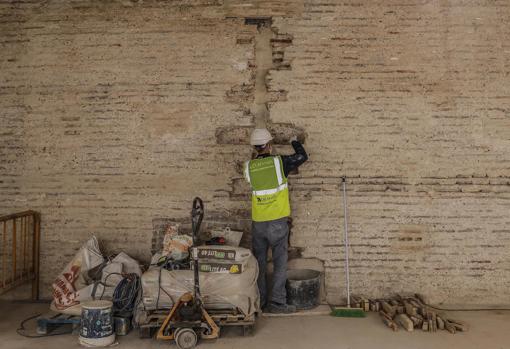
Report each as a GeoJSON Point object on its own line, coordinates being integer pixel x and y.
{"type": "Point", "coordinates": [127, 293]}
{"type": "Point", "coordinates": [21, 330]}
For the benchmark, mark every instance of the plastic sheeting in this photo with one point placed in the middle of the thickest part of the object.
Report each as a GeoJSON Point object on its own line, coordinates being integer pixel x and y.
{"type": "Point", "coordinates": [219, 291]}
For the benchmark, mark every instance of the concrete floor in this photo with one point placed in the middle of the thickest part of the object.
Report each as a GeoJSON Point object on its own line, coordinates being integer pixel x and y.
{"type": "Point", "coordinates": [488, 330]}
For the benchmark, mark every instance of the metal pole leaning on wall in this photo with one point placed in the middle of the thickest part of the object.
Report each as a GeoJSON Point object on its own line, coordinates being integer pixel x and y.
{"type": "Point", "coordinates": [4, 255]}
{"type": "Point", "coordinates": [14, 256]}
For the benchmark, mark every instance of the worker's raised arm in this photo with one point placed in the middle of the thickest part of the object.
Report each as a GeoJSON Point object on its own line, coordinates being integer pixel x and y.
{"type": "Point", "coordinates": [292, 162]}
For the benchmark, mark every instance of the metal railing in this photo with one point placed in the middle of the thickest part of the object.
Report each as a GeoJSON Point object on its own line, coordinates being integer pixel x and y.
{"type": "Point", "coordinates": [19, 251]}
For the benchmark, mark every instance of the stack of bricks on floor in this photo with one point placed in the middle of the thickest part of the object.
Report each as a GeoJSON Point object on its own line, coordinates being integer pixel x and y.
{"type": "Point", "coordinates": [409, 312]}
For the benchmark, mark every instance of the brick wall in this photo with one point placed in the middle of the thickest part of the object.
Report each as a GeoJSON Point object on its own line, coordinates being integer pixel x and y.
{"type": "Point", "coordinates": [116, 115]}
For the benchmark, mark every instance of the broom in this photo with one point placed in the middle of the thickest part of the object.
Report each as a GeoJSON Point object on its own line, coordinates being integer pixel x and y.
{"type": "Point", "coordinates": [346, 311]}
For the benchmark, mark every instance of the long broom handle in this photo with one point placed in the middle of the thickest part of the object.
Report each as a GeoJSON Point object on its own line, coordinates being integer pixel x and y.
{"type": "Point", "coordinates": [346, 242]}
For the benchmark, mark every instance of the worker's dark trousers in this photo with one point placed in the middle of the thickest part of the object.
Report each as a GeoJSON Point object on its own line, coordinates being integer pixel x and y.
{"type": "Point", "coordinates": [274, 234]}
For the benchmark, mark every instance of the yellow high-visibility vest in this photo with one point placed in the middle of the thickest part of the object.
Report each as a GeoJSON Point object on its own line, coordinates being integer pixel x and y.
{"type": "Point", "coordinates": [270, 192]}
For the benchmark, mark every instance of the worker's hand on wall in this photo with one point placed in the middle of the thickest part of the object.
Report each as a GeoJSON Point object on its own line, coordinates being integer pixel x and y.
{"type": "Point", "coordinates": [300, 138]}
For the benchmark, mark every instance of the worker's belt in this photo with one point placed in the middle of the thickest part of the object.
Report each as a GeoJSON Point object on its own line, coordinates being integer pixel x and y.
{"type": "Point", "coordinates": [270, 191]}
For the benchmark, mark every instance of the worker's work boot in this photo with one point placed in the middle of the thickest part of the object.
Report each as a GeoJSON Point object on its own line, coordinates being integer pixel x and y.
{"type": "Point", "coordinates": [279, 308]}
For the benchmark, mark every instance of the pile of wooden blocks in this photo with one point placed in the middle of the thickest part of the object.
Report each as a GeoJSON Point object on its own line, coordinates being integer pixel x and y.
{"type": "Point", "coordinates": [410, 312]}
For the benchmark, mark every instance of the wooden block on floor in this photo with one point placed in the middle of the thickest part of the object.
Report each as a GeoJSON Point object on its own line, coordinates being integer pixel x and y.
{"type": "Point", "coordinates": [410, 309]}
{"type": "Point", "coordinates": [416, 321]}
{"type": "Point", "coordinates": [388, 309]}
{"type": "Point", "coordinates": [459, 325]}
{"type": "Point", "coordinates": [388, 321]}
{"type": "Point", "coordinates": [393, 302]}
{"type": "Point", "coordinates": [449, 327]}
{"type": "Point", "coordinates": [440, 323]}
{"type": "Point", "coordinates": [404, 321]}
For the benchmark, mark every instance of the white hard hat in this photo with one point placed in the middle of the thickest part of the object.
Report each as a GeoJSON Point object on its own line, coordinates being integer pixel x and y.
{"type": "Point", "coordinates": [260, 136]}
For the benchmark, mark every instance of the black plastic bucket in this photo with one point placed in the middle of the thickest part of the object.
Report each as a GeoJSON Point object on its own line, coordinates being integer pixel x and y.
{"type": "Point", "coordinates": [303, 288]}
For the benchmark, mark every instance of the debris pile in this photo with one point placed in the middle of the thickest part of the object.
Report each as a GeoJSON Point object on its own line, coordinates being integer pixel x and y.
{"type": "Point", "coordinates": [409, 312]}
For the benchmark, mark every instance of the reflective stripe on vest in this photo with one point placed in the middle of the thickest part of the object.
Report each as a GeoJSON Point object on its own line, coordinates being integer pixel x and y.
{"type": "Point", "coordinates": [276, 160]}
{"type": "Point", "coordinates": [270, 191]}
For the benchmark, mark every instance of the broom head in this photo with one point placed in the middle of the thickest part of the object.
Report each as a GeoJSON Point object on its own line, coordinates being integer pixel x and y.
{"type": "Point", "coordinates": [347, 312]}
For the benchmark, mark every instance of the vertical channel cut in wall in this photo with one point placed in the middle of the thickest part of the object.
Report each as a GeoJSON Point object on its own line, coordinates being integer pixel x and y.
{"type": "Point", "coordinates": [257, 95]}
{"type": "Point", "coordinates": [263, 63]}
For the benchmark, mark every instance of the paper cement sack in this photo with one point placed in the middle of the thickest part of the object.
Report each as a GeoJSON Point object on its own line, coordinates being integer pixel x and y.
{"type": "Point", "coordinates": [72, 285]}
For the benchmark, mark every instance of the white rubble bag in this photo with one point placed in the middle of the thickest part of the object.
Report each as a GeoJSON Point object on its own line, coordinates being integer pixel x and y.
{"type": "Point", "coordinates": [162, 288]}
{"type": "Point", "coordinates": [110, 276]}
{"type": "Point", "coordinates": [73, 286]}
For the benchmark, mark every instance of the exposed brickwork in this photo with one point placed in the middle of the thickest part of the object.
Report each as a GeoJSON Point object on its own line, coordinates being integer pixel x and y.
{"type": "Point", "coordinates": [109, 116]}
{"type": "Point", "coordinates": [404, 99]}
{"type": "Point", "coordinates": [115, 115]}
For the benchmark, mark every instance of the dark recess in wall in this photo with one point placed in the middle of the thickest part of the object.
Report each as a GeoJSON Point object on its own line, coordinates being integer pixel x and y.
{"type": "Point", "coordinates": [259, 21]}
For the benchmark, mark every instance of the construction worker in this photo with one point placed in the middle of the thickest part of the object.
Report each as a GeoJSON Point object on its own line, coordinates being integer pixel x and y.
{"type": "Point", "coordinates": [267, 175]}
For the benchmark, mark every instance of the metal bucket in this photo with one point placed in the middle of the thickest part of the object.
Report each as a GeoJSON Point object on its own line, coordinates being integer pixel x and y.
{"type": "Point", "coordinates": [96, 328]}
{"type": "Point", "coordinates": [303, 288]}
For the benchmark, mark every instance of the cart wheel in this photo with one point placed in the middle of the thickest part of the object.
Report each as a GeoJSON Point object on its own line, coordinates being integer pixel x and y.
{"type": "Point", "coordinates": [185, 338]}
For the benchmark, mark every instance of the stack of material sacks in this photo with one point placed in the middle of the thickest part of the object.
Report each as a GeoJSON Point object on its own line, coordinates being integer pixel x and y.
{"type": "Point", "coordinates": [228, 280]}
{"type": "Point", "coordinates": [222, 259]}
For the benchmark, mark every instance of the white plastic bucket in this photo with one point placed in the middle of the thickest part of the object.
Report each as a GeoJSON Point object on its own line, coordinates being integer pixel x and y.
{"type": "Point", "coordinates": [96, 329]}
